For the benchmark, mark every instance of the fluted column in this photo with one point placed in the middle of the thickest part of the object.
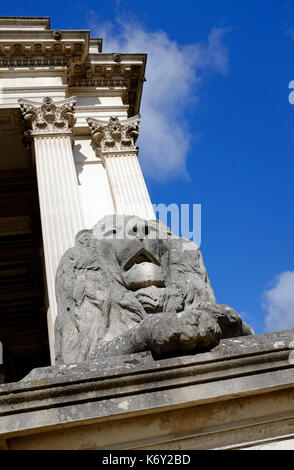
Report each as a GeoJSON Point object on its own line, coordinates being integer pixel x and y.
{"type": "Point", "coordinates": [115, 145]}
{"type": "Point", "coordinates": [60, 208]}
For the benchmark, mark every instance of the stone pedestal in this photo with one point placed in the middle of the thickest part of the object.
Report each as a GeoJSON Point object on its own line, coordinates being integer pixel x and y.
{"type": "Point", "coordinates": [239, 395]}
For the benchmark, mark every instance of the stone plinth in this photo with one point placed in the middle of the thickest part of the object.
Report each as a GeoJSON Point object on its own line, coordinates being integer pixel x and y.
{"type": "Point", "coordinates": [240, 395]}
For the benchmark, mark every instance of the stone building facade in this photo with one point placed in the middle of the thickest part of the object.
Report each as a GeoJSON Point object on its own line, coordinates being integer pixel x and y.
{"type": "Point", "coordinates": [56, 88]}
{"type": "Point", "coordinates": [69, 121]}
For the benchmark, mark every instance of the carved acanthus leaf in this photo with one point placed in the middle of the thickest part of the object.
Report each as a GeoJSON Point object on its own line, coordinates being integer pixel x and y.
{"type": "Point", "coordinates": [49, 117]}
{"type": "Point", "coordinates": [114, 135]}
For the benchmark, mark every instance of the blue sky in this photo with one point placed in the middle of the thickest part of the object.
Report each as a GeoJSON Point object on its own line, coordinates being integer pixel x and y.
{"type": "Point", "coordinates": [217, 86]}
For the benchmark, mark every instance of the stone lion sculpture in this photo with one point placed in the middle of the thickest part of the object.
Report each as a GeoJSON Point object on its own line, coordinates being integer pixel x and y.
{"type": "Point", "coordinates": [129, 285]}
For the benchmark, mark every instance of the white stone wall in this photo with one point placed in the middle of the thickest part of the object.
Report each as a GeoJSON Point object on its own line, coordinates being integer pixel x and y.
{"type": "Point", "coordinates": [94, 190]}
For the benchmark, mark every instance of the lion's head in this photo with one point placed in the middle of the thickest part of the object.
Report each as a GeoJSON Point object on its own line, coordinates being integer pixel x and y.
{"type": "Point", "coordinates": [119, 272]}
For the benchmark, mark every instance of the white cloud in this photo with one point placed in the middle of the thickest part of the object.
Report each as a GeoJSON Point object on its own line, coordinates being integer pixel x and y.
{"type": "Point", "coordinates": [278, 302]}
{"type": "Point", "coordinates": [175, 75]}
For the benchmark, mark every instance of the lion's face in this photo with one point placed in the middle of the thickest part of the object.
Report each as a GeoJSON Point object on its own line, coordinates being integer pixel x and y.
{"type": "Point", "coordinates": [137, 245]}
{"type": "Point", "coordinates": [132, 251]}
{"type": "Point", "coordinates": [148, 260]}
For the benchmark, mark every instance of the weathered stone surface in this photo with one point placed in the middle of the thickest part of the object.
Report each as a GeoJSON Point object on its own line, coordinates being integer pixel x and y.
{"type": "Point", "coordinates": [227, 350]}
{"type": "Point", "coordinates": [129, 285]}
{"type": "Point", "coordinates": [239, 394]}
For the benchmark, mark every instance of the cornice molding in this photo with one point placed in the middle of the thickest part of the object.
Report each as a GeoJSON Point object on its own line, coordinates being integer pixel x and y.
{"type": "Point", "coordinates": [81, 57]}
{"type": "Point", "coordinates": [49, 118]}
{"type": "Point", "coordinates": [25, 21]}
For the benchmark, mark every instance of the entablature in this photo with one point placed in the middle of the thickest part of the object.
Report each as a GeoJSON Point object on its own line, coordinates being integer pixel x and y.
{"type": "Point", "coordinates": [33, 44]}
{"type": "Point", "coordinates": [33, 49]}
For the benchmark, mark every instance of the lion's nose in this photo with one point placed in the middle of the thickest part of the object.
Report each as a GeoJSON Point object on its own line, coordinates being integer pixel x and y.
{"type": "Point", "coordinates": [140, 230]}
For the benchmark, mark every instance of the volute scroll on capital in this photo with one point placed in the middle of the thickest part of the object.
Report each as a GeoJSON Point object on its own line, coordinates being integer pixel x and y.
{"type": "Point", "coordinates": [49, 117]}
{"type": "Point", "coordinates": [114, 135]}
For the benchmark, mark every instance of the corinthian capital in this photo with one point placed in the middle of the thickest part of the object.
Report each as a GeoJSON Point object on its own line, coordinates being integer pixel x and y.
{"type": "Point", "coordinates": [114, 136]}
{"type": "Point", "coordinates": [49, 118]}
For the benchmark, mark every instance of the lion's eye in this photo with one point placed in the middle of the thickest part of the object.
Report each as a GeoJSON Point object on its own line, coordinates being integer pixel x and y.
{"type": "Point", "coordinates": [135, 229]}
{"type": "Point", "coordinates": [110, 232]}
